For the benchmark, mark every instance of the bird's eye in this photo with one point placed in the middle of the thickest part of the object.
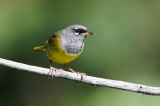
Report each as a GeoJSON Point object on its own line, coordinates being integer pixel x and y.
{"type": "Point", "coordinates": [76, 31]}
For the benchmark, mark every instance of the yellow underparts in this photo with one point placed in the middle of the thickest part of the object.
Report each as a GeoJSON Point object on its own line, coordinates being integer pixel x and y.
{"type": "Point", "coordinates": [56, 54]}
{"type": "Point", "coordinates": [60, 56]}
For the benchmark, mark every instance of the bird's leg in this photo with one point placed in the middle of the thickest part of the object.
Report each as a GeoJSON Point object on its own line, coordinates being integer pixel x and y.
{"type": "Point", "coordinates": [69, 68]}
{"type": "Point", "coordinates": [52, 69]}
{"type": "Point", "coordinates": [82, 74]}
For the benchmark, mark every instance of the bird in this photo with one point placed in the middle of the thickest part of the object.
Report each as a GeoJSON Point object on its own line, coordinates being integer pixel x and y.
{"type": "Point", "coordinates": [65, 46]}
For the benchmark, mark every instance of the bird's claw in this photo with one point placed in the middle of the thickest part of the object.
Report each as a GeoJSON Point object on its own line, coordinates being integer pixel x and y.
{"type": "Point", "coordinates": [52, 69]}
{"type": "Point", "coordinates": [82, 74]}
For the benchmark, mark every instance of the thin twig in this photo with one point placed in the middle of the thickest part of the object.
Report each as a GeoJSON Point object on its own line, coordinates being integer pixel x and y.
{"type": "Point", "coordinates": [87, 79]}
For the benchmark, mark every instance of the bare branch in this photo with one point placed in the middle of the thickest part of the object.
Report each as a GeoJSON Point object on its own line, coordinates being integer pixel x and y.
{"type": "Point", "coordinates": [87, 79]}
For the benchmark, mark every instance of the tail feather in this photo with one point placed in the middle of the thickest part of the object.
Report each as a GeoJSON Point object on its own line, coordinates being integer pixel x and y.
{"type": "Point", "coordinates": [39, 48]}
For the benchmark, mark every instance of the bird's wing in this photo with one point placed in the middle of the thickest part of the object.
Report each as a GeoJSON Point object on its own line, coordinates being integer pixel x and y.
{"type": "Point", "coordinates": [52, 40]}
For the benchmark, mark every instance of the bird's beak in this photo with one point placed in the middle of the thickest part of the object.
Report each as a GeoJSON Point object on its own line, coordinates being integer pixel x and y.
{"type": "Point", "coordinates": [88, 33]}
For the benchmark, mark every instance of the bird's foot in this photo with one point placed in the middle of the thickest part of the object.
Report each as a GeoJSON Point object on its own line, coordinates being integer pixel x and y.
{"type": "Point", "coordinates": [82, 75]}
{"type": "Point", "coordinates": [52, 69]}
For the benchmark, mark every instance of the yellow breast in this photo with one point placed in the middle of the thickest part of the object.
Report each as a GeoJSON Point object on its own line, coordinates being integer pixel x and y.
{"type": "Point", "coordinates": [56, 53]}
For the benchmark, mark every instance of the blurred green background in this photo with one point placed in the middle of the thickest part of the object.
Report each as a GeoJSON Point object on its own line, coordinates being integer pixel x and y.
{"type": "Point", "coordinates": [126, 47]}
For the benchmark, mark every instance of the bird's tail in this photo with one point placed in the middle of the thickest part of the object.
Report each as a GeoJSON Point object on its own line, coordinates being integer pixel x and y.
{"type": "Point", "coordinates": [40, 48]}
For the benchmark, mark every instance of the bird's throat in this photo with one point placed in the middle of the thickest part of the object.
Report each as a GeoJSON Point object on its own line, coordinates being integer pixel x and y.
{"type": "Point", "coordinates": [73, 46]}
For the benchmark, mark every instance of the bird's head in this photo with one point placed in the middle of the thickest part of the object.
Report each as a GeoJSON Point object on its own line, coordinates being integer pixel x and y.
{"type": "Point", "coordinates": [77, 30]}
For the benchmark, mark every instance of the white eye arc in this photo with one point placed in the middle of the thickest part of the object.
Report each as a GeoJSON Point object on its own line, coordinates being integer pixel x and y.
{"type": "Point", "coordinates": [76, 31]}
